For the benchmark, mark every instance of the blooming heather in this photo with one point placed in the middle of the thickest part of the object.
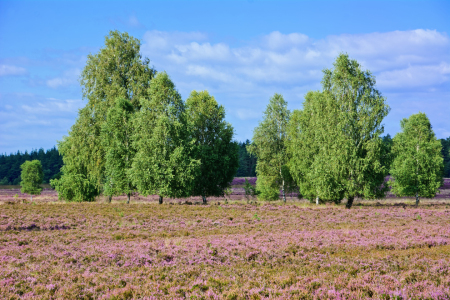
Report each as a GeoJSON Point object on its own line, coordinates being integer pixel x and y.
{"type": "Point", "coordinates": [233, 251]}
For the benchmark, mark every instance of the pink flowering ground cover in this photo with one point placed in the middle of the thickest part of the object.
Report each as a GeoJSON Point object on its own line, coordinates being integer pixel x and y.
{"type": "Point", "coordinates": [228, 251]}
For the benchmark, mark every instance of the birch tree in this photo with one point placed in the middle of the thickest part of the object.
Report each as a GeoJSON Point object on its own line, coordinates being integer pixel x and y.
{"type": "Point", "coordinates": [341, 152]}
{"type": "Point", "coordinates": [362, 109]}
{"type": "Point", "coordinates": [32, 176]}
{"type": "Point", "coordinates": [417, 168]}
{"type": "Point", "coordinates": [162, 164]}
{"type": "Point", "coordinates": [116, 138]}
{"type": "Point", "coordinates": [116, 71]}
{"type": "Point", "coordinates": [315, 154]}
{"type": "Point", "coordinates": [269, 146]}
{"type": "Point", "coordinates": [213, 145]}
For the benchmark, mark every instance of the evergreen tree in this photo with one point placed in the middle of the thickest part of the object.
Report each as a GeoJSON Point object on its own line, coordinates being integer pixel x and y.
{"type": "Point", "coordinates": [213, 145]}
{"type": "Point", "coordinates": [116, 137]}
{"type": "Point", "coordinates": [162, 164]}
{"type": "Point", "coordinates": [269, 146]}
{"type": "Point", "coordinates": [446, 155]}
{"type": "Point", "coordinates": [247, 161]}
{"type": "Point", "coordinates": [32, 176]}
{"type": "Point", "coordinates": [417, 169]}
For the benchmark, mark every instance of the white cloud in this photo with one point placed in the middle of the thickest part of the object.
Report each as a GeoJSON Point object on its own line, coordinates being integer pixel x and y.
{"type": "Point", "coordinates": [69, 77]}
{"type": "Point", "coordinates": [277, 40]}
{"type": "Point", "coordinates": [6, 70]}
{"type": "Point", "coordinates": [53, 106]}
{"type": "Point", "coordinates": [415, 76]}
{"type": "Point", "coordinates": [245, 76]}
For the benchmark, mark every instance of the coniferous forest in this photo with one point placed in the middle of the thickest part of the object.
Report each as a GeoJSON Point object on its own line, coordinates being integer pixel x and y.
{"type": "Point", "coordinates": [10, 165]}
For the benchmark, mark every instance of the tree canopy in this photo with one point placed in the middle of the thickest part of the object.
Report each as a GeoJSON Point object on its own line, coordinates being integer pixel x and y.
{"type": "Point", "coordinates": [212, 145]}
{"type": "Point", "coordinates": [163, 164]}
{"type": "Point", "coordinates": [341, 126]}
{"type": "Point", "coordinates": [314, 148]}
{"type": "Point", "coordinates": [32, 176]}
{"type": "Point", "coordinates": [10, 165]}
{"type": "Point", "coordinates": [417, 168]}
{"type": "Point", "coordinates": [116, 71]}
{"type": "Point", "coordinates": [269, 145]}
{"type": "Point", "coordinates": [116, 136]}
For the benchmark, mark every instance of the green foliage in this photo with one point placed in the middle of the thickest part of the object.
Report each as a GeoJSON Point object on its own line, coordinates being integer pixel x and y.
{"type": "Point", "coordinates": [387, 157]}
{"type": "Point", "coordinates": [10, 164]}
{"type": "Point", "coordinates": [362, 108]}
{"type": "Point", "coordinates": [314, 147]}
{"type": "Point", "coordinates": [249, 189]}
{"type": "Point", "coordinates": [340, 152]}
{"type": "Point", "coordinates": [116, 71]}
{"type": "Point", "coordinates": [269, 146]}
{"type": "Point", "coordinates": [446, 155]}
{"type": "Point", "coordinates": [247, 162]}
{"type": "Point", "coordinates": [75, 187]}
{"type": "Point", "coordinates": [4, 181]}
{"type": "Point", "coordinates": [116, 137]}
{"type": "Point", "coordinates": [213, 146]}
{"type": "Point", "coordinates": [162, 164]}
{"type": "Point", "coordinates": [417, 168]}
{"type": "Point", "coordinates": [267, 188]}
{"type": "Point", "coordinates": [32, 176]}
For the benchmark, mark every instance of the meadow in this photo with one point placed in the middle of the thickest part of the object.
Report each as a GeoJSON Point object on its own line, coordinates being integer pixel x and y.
{"type": "Point", "coordinates": [386, 249]}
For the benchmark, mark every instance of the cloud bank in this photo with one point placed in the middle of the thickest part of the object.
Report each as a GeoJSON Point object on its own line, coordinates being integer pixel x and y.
{"type": "Point", "coordinates": [410, 66]}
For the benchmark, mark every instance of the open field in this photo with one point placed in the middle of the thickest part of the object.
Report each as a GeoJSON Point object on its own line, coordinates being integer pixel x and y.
{"type": "Point", "coordinates": [386, 249]}
{"type": "Point", "coordinates": [233, 251]}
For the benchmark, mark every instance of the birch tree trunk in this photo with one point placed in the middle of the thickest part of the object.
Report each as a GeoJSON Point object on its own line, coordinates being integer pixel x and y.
{"type": "Point", "coordinates": [160, 199]}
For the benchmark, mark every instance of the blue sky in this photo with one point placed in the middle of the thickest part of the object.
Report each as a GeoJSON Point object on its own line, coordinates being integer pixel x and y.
{"type": "Point", "coordinates": [242, 52]}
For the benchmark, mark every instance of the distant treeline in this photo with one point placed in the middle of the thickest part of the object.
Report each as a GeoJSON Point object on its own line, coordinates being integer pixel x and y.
{"type": "Point", "coordinates": [10, 165]}
{"type": "Point", "coordinates": [52, 162]}
{"type": "Point", "coordinates": [247, 162]}
{"type": "Point", "coordinates": [446, 154]}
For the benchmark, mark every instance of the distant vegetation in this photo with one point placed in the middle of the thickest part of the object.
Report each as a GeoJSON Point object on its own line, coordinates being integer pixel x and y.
{"type": "Point", "coordinates": [247, 161]}
{"type": "Point", "coordinates": [10, 165]}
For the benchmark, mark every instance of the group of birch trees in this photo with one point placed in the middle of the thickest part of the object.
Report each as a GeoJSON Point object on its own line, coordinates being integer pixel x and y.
{"type": "Point", "coordinates": [332, 148]}
{"type": "Point", "coordinates": [136, 134]}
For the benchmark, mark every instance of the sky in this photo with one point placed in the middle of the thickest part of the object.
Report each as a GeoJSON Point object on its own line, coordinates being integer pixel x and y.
{"type": "Point", "coordinates": [242, 52]}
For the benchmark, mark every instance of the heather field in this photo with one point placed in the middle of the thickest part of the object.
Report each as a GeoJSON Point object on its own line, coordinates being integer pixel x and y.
{"type": "Point", "coordinates": [385, 249]}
